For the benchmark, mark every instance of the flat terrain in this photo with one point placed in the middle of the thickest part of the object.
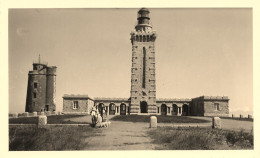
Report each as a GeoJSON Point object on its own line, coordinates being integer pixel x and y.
{"type": "Point", "coordinates": [160, 119]}
{"type": "Point", "coordinates": [232, 124]}
{"type": "Point", "coordinates": [53, 119]}
{"type": "Point", "coordinates": [127, 135]}
{"type": "Point", "coordinates": [122, 136]}
{"type": "Point", "coordinates": [237, 125]}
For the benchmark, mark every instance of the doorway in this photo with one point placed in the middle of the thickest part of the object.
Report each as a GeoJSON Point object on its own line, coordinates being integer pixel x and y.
{"type": "Point", "coordinates": [46, 107]}
{"type": "Point", "coordinates": [112, 109]}
{"type": "Point", "coordinates": [144, 107]}
{"type": "Point", "coordinates": [163, 109]}
{"type": "Point", "coordinates": [122, 109]}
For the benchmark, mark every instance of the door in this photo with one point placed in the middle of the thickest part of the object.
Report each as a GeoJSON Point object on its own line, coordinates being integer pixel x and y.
{"type": "Point", "coordinates": [112, 109]}
{"type": "Point", "coordinates": [122, 109]}
{"type": "Point", "coordinates": [163, 109]}
{"type": "Point", "coordinates": [46, 107]}
{"type": "Point", "coordinates": [143, 107]}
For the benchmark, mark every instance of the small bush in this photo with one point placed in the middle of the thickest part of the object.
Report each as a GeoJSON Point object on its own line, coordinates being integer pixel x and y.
{"type": "Point", "coordinates": [53, 138]}
{"type": "Point", "coordinates": [200, 139]}
{"type": "Point", "coordinates": [241, 138]}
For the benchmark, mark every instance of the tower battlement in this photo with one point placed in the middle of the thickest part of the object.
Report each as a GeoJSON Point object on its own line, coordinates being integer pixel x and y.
{"type": "Point", "coordinates": [41, 88]}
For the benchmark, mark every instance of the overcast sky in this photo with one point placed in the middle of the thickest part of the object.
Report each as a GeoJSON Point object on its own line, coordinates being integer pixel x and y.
{"type": "Point", "coordinates": [198, 52]}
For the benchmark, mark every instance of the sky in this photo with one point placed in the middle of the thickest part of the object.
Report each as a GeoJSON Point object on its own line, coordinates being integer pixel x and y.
{"type": "Point", "coordinates": [198, 52]}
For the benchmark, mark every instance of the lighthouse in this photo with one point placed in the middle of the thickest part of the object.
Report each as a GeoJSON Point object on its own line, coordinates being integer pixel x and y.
{"type": "Point", "coordinates": [143, 83]}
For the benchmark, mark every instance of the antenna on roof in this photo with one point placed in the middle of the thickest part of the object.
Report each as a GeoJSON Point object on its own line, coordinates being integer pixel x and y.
{"type": "Point", "coordinates": [39, 58]}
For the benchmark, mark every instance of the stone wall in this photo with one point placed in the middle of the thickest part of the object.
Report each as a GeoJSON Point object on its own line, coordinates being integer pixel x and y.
{"type": "Point", "coordinates": [38, 103]}
{"type": "Point", "coordinates": [143, 72]}
{"type": "Point", "coordinates": [83, 106]}
{"type": "Point", "coordinates": [197, 108]}
{"type": "Point", "coordinates": [51, 88]}
{"type": "Point", "coordinates": [210, 109]}
{"type": "Point", "coordinates": [210, 106]}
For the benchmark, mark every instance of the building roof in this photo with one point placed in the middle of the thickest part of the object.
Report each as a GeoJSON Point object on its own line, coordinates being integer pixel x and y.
{"type": "Point", "coordinates": [85, 96]}
{"type": "Point", "coordinates": [111, 99]}
{"type": "Point", "coordinates": [212, 98]}
{"type": "Point", "coordinates": [144, 10]}
{"type": "Point", "coordinates": [173, 100]}
{"type": "Point", "coordinates": [76, 96]}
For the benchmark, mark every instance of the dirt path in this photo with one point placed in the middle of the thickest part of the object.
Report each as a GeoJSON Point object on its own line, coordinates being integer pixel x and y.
{"type": "Point", "coordinates": [121, 136]}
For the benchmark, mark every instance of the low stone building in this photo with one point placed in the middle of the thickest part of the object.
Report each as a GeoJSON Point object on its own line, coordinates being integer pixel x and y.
{"type": "Point", "coordinates": [200, 106]}
{"type": "Point", "coordinates": [210, 106]}
{"type": "Point", "coordinates": [77, 104]}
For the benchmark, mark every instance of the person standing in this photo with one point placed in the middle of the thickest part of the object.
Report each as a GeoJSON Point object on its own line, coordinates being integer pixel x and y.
{"type": "Point", "coordinates": [104, 116]}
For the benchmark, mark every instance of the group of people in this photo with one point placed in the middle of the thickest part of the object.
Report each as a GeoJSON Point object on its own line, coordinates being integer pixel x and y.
{"type": "Point", "coordinates": [99, 117]}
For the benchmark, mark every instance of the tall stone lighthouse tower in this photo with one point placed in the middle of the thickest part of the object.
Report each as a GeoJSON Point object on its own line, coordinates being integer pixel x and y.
{"type": "Point", "coordinates": [143, 87]}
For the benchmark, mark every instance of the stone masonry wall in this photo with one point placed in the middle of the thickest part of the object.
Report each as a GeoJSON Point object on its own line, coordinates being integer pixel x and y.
{"type": "Point", "coordinates": [38, 103]}
{"type": "Point", "coordinates": [138, 93]}
{"type": "Point", "coordinates": [51, 88]}
{"type": "Point", "coordinates": [90, 105]}
{"type": "Point", "coordinates": [210, 110]}
{"type": "Point", "coordinates": [197, 108]}
{"type": "Point", "coordinates": [68, 105]}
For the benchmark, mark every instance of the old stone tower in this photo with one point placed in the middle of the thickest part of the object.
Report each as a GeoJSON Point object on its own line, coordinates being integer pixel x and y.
{"type": "Point", "coordinates": [143, 85]}
{"type": "Point", "coordinates": [41, 89]}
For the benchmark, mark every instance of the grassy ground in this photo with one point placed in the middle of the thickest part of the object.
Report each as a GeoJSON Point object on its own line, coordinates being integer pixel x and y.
{"type": "Point", "coordinates": [54, 138]}
{"type": "Point", "coordinates": [169, 138]}
{"type": "Point", "coordinates": [54, 119]}
{"type": "Point", "coordinates": [240, 119]}
{"type": "Point", "coordinates": [160, 119]}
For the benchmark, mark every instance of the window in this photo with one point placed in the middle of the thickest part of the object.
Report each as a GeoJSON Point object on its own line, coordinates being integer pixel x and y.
{"type": "Point", "coordinates": [117, 109]}
{"type": "Point", "coordinates": [168, 109]}
{"type": "Point", "coordinates": [75, 105]}
{"type": "Point", "coordinates": [216, 106]}
{"type": "Point", "coordinates": [35, 85]}
{"type": "Point", "coordinates": [34, 95]}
